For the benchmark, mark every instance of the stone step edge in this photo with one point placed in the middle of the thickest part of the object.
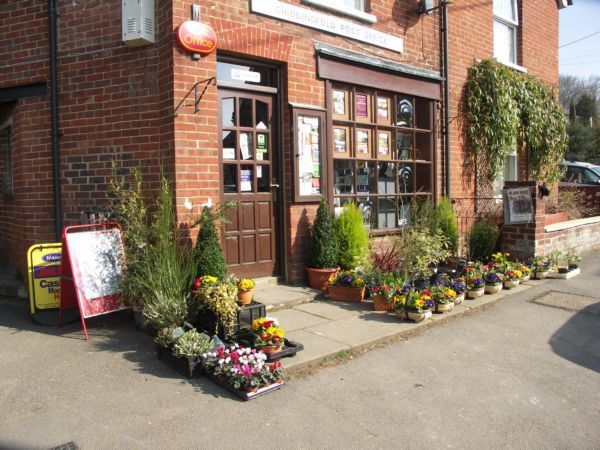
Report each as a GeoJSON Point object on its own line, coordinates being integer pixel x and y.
{"type": "Point", "coordinates": [308, 367]}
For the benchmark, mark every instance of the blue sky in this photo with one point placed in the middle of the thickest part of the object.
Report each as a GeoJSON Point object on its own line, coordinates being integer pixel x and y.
{"type": "Point", "coordinates": [577, 21]}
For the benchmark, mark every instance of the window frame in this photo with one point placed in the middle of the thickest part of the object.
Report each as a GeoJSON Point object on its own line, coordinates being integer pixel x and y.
{"type": "Point", "coordinates": [379, 125]}
{"type": "Point", "coordinates": [514, 26]}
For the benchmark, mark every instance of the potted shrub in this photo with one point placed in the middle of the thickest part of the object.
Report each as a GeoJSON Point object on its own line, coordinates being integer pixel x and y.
{"type": "Point", "coordinates": [475, 284]}
{"type": "Point", "coordinates": [322, 249]}
{"type": "Point", "coordinates": [423, 250]}
{"type": "Point", "coordinates": [352, 237]}
{"type": "Point", "coordinates": [511, 278]}
{"type": "Point", "coordinates": [348, 286]}
{"type": "Point", "coordinates": [443, 297]}
{"type": "Point", "coordinates": [414, 305]}
{"type": "Point", "coordinates": [493, 282]}
{"type": "Point", "coordinates": [245, 291]}
{"type": "Point", "coordinates": [482, 239]}
{"type": "Point", "coordinates": [459, 286]}
{"type": "Point", "coordinates": [555, 259]}
{"type": "Point", "coordinates": [540, 266]}
{"type": "Point", "coordinates": [220, 298]}
{"type": "Point", "coordinates": [208, 254]}
{"type": "Point", "coordinates": [182, 350]}
{"type": "Point", "coordinates": [573, 259]}
{"type": "Point", "coordinates": [269, 335]}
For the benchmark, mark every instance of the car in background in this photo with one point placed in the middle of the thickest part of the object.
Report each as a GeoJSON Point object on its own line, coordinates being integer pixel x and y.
{"type": "Point", "coordinates": [580, 173]}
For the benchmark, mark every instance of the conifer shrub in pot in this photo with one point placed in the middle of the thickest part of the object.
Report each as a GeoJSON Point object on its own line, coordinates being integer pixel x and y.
{"type": "Point", "coordinates": [208, 253]}
{"type": "Point", "coordinates": [322, 249]}
{"type": "Point", "coordinates": [353, 238]}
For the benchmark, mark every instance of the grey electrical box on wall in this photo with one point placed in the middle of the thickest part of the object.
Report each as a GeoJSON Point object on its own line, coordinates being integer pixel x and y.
{"type": "Point", "coordinates": [138, 22]}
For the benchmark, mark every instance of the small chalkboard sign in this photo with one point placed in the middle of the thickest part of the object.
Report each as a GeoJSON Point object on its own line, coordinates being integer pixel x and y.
{"type": "Point", "coordinates": [93, 257]}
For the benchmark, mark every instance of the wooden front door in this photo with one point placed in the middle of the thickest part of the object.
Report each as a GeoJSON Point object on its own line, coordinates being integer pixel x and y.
{"type": "Point", "coordinates": [249, 176]}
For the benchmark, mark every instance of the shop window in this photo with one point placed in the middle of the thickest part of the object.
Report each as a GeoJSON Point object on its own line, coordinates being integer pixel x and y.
{"type": "Point", "coordinates": [6, 169]}
{"type": "Point", "coordinates": [382, 147]}
{"type": "Point", "coordinates": [506, 24]}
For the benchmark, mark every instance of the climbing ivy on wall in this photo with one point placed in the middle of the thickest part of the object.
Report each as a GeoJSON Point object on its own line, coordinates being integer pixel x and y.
{"type": "Point", "coordinates": [506, 108]}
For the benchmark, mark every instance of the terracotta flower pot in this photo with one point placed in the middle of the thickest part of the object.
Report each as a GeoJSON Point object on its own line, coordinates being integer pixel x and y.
{"type": "Point", "coordinates": [493, 288]}
{"type": "Point", "coordinates": [475, 293]}
{"type": "Point", "coordinates": [319, 278]}
{"type": "Point", "coordinates": [459, 298]}
{"type": "Point", "coordinates": [270, 349]}
{"type": "Point", "coordinates": [509, 284]}
{"type": "Point", "coordinates": [540, 275]}
{"type": "Point", "coordinates": [380, 303]}
{"type": "Point", "coordinates": [444, 307]}
{"type": "Point", "coordinates": [245, 297]}
{"type": "Point", "coordinates": [346, 294]}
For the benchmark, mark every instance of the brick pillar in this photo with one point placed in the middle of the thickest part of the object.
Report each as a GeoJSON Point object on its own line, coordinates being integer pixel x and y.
{"type": "Point", "coordinates": [525, 240]}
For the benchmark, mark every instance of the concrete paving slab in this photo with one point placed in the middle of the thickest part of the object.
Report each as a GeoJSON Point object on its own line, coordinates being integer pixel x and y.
{"type": "Point", "coordinates": [293, 319]}
{"type": "Point", "coordinates": [282, 296]}
{"type": "Point", "coordinates": [365, 329]}
{"type": "Point", "coordinates": [533, 282]}
{"type": "Point", "coordinates": [332, 310]}
{"type": "Point", "coordinates": [458, 309]}
{"type": "Point", "coordinates": [484, 300]}
{"type": "Point", "coordinates": [315, 347]}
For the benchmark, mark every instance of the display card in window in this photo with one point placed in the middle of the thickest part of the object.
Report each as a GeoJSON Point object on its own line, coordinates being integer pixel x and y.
{"type": "Point", "coordinates": [340, 104]}
{"type": "Point", "coordinates": [383, 145]}
{"type": "Point", "coordinates": [383, 111]}
{"type": "Point", "coordinates": [362, 107]}
{"type": "Point", "coordinates": [362, 142]}
{"type": "Point", "coordinates": [340, 141]}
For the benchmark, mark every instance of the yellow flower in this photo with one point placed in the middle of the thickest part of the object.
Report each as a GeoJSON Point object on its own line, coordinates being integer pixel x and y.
{"type": "Point", "coordinates": [255, 324]}
{"type": "Point", "coordinates": [261, 320]}
{"type": "Point", "coordinates": [360, 283]}
{"type": "Point", "coordinates": [210, 279]}
{"type": "Point", "coordinates": [279, 332]}
{"type": "Point", "coordinates": [420, 303]}
{"type": "Point", "coordinates": [246, 284]}
{"type": "Point", "coordinates": [518, 273]}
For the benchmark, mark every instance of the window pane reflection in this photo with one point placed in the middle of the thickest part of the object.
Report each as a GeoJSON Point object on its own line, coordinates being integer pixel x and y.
{"type": "Point", "coordinates": [386, 178]}
{"type": "Point", "coordinates": [386, 213]}
{"type": "Point", "coordinates": [262, 178]}
{"type": "Point", "coordinates": [262, 115]}
{"type": "Point", "coordinates": [406, 183]}
{"type": "Point", "coordinates": [404, 117]}
{"type": "Point", "coordinates": [245, 112]}
{"type": "Point", "coordinates": [229, 178]}
{"type": "Point", "coordinates": [343, 177]}
{"type": "Point", "coordinates": [366, 181]}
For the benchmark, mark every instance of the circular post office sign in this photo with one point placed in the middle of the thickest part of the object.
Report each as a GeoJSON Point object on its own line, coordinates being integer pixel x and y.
{"type": "Point", "coordinates": [197, 37]}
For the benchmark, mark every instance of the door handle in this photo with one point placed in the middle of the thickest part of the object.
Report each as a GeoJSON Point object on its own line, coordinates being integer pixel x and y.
{"type": "Point", "coordinates": [274, 186]}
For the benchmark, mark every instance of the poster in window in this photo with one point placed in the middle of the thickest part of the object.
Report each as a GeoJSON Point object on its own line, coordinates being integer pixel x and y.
{"type": "Point", "coordinates": [340, 141]}
{"type": "Point", "coordinates": [309, 155]}
{"type": "Point", "coordinates": [245, 145]}
{"type": "Point", "coordinates": [383, 144]}
{"type": "Point", "coordinates": [383, 110]}
{"type": "Point", "coordinates": [339, 103]}
{"type": "Point", "coordinates": [246, 180]}
{"type": "Point", "coordinates": [518, 206]}
{"type": "Point", "coordinates": [362, 107]}
{"type": "Point", "coordinates": [362, 142]}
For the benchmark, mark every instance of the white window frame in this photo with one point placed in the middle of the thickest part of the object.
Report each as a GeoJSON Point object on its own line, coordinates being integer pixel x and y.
{"type": "Point", "coordinates": [502, 178]}
{"type": "Point", "coordinates": [337, 7]}
{"type": "Point", "coordinates": [514, 24]}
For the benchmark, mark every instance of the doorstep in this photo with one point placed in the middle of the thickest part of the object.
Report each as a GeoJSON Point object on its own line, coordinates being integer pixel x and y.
{"type": "Point", "coordinates": [328, 329]}
{"type": "Point", "coordinates": [281, 296]}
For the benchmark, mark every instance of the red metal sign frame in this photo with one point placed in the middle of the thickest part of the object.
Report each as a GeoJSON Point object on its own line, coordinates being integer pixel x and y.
{"type": "Point", "coordinates": [196, 37]}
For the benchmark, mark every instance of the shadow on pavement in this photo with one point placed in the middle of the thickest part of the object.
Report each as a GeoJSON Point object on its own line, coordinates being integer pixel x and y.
{"type": "Point", "coordinates": [577, 340]}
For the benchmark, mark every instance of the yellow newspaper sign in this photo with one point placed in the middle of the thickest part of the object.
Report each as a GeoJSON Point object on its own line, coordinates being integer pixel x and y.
{"type": "Point", "coordinates": [43, 261]}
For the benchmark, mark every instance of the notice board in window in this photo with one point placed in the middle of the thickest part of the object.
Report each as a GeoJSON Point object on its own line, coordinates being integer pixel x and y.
{"type": "Point", "coordinates": [309, 142]}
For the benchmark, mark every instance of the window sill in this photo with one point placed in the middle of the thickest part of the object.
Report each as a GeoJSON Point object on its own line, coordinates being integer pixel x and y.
{"type": "Point", "coordinates": [512, 65]}
{"type": "Point", "coordinates": [370, 18]}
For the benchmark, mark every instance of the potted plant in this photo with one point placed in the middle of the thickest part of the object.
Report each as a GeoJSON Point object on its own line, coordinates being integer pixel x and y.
{"type": "Point", "coordinates": [443, 297]}
{"type": "Point", "coordinates": [245, 291]}
{"type": "Point", "coordinates": [208, 254]}
{"type": "Point", "coordinates": [475, 284]}
{"type": "Point", "coordinates": [540, 266]}
{"type": "Point", "coordinates": [511, 278]}
{"type": "Point", "coordinates": [526, 271]}
{"type": "Point", "coordinates": [322, 249]}
{"type": "Point", "coordinates": [423, 249]}
{"type": "Point", "coordinates": [573, 259]}
{"type": "Point", "coordinates": [459, 286]}
{"type": "Point", "coordinates": [555, 259]}
{"type": "Point", "coordinates": [348, 286]}
{"type": "Point", "coordinates": [414, 305]}
{"type": "Point", "coordinates": [382, 286]}
{"type": "Point", "coordinates": [493, 282]}
{"type": "Point", "coordinates": [220, 298]}
{"type": "Point", "coordinates": [352, 237]}
{"type": "Point", "coordinates": [269, 335]}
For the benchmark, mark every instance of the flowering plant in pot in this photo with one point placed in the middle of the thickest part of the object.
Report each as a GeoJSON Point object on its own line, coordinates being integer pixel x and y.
{"type": "Point", "coordinates": [540, 266]}
{"type": "Point", "coordinates": [347, 286]}
{"type": "Point", "coordinates": [245, 291]}
{"type": "Point", "coordinates": [382, 287]}
{"type": "Point", "coordinates": [493, 282]}
{"type": "Point", "coordinates": [414, 305]}
{"type": "Point", "coordinates": [443, 297]}
{"type": "Point", "coordinates": [511, 278]}
{"type": "Point", "coordinates": [525, 271]}
{"type": "Point", "coordinates": [459, 286]}
{"type": "Point", "coordinates": [219, 297]}
{"type": "Point", "coordinates": [573, 259]}
{"type": "Point", "coordinates": [269, 335]}
{"type": "Point", "coordinates": [323, 249]}
{"type": "Point", "coordinates": [475, 283]}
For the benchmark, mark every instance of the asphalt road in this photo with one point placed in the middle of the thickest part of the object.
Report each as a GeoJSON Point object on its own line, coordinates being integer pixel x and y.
{"type": "Point", "coordinates": [517, 375]}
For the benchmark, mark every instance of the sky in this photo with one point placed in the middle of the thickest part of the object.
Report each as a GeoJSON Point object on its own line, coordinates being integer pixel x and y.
{"type": "Point", "coordinates": [578, 21]}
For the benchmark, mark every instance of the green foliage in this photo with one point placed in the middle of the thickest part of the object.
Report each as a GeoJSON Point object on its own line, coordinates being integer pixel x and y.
{"type": "Point", "coordinates": [166, 271]}
{"type": "Point", "coordinates": [482, 239]}
{"type": "Point", "coordinates": [422, 213]}
{"type": "Point", "coordinates": [584, 142]}
{"type": "Point", "coordinates": [208, 254]}
{"type": "Point", "coordinates": [191, 343]}
{"type": "Point", "coordinates": [221, 298]}
{"type": "Point", "coordinates": [505, 107]}
{"type": "Point", "coordinates": [445, 220]}
{"type": "Point", "coordinates": [423, 249]}
{"type": "Point", "coordinates": [323, 245]}
{"type": "Point", "coordinates": [353, 238]}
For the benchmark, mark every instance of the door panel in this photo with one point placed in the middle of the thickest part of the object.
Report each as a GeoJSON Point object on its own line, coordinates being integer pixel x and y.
{"type": "Point", "coordinates": [249, 167]}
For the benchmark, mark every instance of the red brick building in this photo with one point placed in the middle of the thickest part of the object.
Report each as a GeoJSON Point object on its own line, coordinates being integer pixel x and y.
{"type": "Point", "coordinates": [301, 98]}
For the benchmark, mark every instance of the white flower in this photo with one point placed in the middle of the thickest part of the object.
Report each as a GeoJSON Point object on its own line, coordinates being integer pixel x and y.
{"type": "Point", "coordinates": [228, 359]}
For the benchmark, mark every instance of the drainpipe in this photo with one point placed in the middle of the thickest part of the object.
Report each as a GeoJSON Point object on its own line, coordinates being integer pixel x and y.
{"type": "Point", "coordinates": [52, 15]}
{"type": "Point", "coordinates": [444, 4]}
